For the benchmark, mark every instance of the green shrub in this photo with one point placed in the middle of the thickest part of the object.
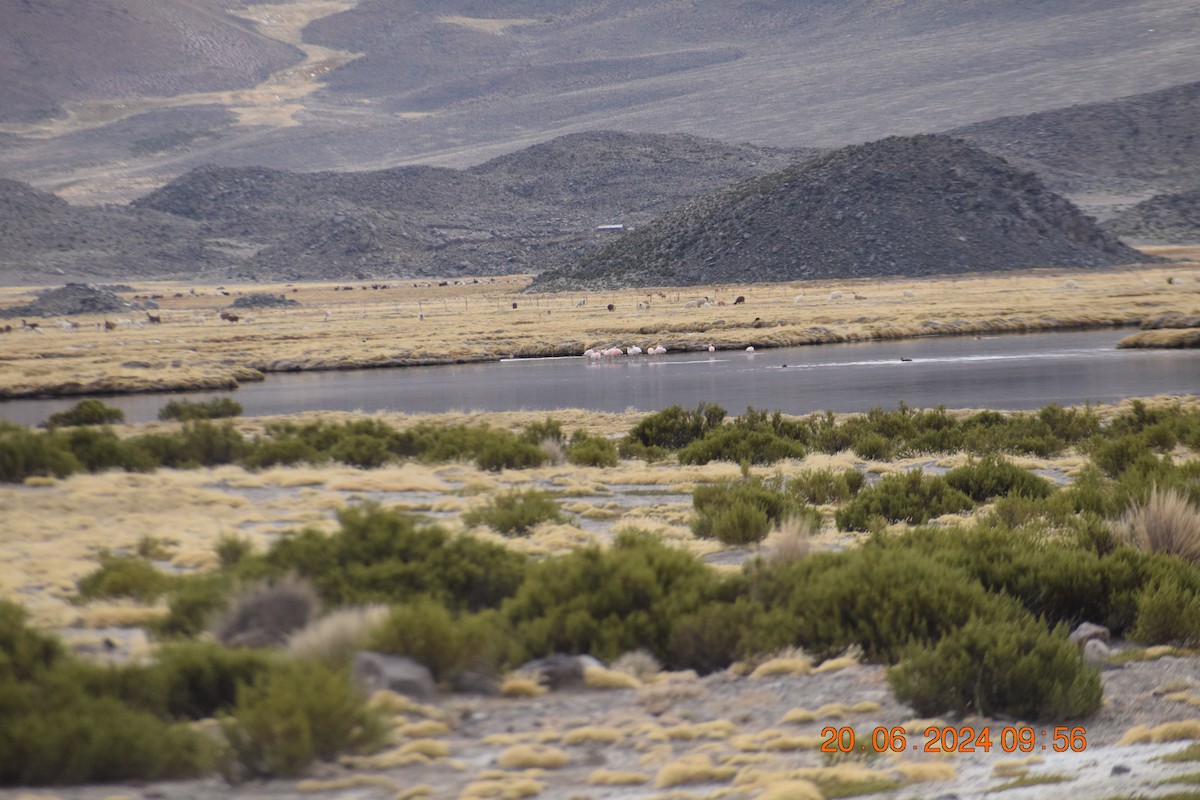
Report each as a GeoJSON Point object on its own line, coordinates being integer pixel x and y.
{"type": "Point", "coordinates": [909, 497]}
{"type": "Point", "coordinates": [98, 450]}
{"type": "Point", "coordinates": [516, 513]}
{"type": "Point", "coordinates": [879, 598]}
{"type": "Point", "coordinates": [996, 477]}
{"type": "Point", "coordinates": [232, 549]}
{"type": "Point", "coordinates": [133, 577]}
{"type": "Point", "coordinates": [739, 523]}
{"type": "Point", "coordinates": [86, 412]}
{"type": "Point", "coordinates": [200, 679]}
{"type": "Point", "coordinates": [1167, 613]}
{"type": "Point", "coordinates": [216, 408]}
{"type": "Point", "coordinates": [383, 556]}
{"type": "Point", "coordinates": [753, 438]}
{"type": "Point", "coordinates": [991, 432]}
{"type": "Point", "coordinates": [68, 738]}
{"type": "Point", "coordinates": [295, 715]}
{"type": "Point", "coordinates": [823, 486]}
{"type": "Point", "coordinates": [194, 603]}
{"type": "Point", "coordinates": [608, 602]}
{"type": "Point", "coordinates": [674, 428]}
{"type": "Point", "coordinates": [446, 643]}
{"type": "Point", "coordinates": [24, 652]}
{"type": "Point", "coordinates": [25, 453]}
{"type": "Point", "coordinates": [591, 451]}
{"type": "Point", "coordinates": [1015, 669]}
{"type": "Point", "coordinates": [742, 512]}
{"type": "Point", "coordinates": [283, 451]}
{"type": "Point", "coordinates": [538, 432]}
{"type": "Point", "coordinates": [361, 450]}
{"type": "Point", "coordinates": [505, 450]}
{"type": "Point", "coordinates": [875, 446]}
{"type": "Point", "coordinates": [718, 633]}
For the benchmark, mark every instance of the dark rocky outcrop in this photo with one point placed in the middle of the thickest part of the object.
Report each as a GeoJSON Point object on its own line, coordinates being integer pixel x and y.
{"type": "Point", "coordinates": [1168, 218]}
{"type": "Point", "coordinates": [901, 206]}
{"type": "Point", "coordinates": [74, 298]}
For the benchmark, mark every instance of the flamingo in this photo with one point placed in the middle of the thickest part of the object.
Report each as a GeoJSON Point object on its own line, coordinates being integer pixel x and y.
{"type": "Point", "coordinates": [712, 349]}
{"type": "Point", "coordinates": [634, 351]}
{"type": "Point", "coordinates": [750, 349]}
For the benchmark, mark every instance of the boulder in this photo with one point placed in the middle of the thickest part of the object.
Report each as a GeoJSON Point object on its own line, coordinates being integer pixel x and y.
{"type": "Point", "coordinates": [376, 671]}
{"type": "Point", "coordinates": [1089, 631]}
{"type": "Point", "coordinates": [559, 670]}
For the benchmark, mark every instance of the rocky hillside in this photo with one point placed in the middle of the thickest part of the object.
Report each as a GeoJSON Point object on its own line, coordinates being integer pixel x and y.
{"type": "Point", "coordinates": [1146, 141]}
{"type": "Point", "coordinates": [43, 238]}
{"type": "Point", "coordinates": [107, 99]}
{"type": "Point", "coordinates": [901, 206]}
{"type": "Point", "coordinates": [1166, 218]}
{"type": "Point", "coordinates": [526, 211]}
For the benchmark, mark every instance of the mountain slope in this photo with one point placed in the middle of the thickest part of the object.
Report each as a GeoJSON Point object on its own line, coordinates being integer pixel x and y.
{"type": "Point", "coordinates": [901, 206]}
{"type": "Point", "coordinates": [455, 82]}
{"type": "Point", "coordinates": [1170, 218]}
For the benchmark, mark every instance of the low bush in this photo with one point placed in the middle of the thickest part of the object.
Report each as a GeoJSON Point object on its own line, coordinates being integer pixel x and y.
{"type": "Point", "coordinates": [753, 438]}
{"type": "Point", "coordinates": [283, 451]}
{"type": "Point", "coordinates": [1015, 669]}
{"type": "Point", "coordinates": [879, 598]}
{"type": "Point", "coordinates": [549, 429]}
{"type": "Point", "coordinates": [911, 497]}
{"type": "Point", "coordinates": [674, 427]}
{"type": "Point", "coordinates": [1168, 613]}
{"type": "Point", "coordinates": [25, 453]}
{"type": "Point", "coordinates": [607, 602]}
{"type": "Point", "coordinates": [86, 412]}
{"type": "Point", "coordinates": [447, 644]}
{"type": "Point", "coordinates": [294, 715]}
{"type": "Point", "coordinates": [185, 410]}
{"type": "Point", "coordinates": [361, 450]}
{"type": "Point", "coordinates": [742, 512]}
{"type": "Point", "coordinates": [384, 556]}
{"type": "Point", "coordinates": [996, 477]}
{"type": "Point", "coordinates": [591, 451]}
{"type": "Point", "coordinates": [132, 577]}
{"type": "Point", "coordinates": [516, 512]}
{"type": "Point", "coordinates": [823, 486]}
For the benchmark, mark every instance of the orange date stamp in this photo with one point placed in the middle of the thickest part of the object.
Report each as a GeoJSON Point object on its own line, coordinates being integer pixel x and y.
{"type": "Point", "coordinates": [965, 739]}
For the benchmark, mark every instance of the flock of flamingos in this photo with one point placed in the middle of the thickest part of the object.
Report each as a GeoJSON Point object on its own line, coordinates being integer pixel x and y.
{"type": "Point", "coordinates": [657, 350]}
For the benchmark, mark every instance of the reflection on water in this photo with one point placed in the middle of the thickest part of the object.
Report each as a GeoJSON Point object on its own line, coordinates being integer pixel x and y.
{"type": "Point", "coordinates": [1001, 372]}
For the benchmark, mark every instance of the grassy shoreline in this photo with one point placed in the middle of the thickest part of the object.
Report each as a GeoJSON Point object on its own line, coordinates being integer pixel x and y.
{"type": "Point", "coordinates": [336, 327]}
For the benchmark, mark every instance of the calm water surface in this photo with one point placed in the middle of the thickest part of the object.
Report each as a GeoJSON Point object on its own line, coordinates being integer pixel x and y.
{"type": "Point", "coordinates": [1000, 372]}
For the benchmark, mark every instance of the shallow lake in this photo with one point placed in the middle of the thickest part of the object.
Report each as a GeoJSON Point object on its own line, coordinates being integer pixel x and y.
{"type": "Point", "coordinates": [1019, 371]}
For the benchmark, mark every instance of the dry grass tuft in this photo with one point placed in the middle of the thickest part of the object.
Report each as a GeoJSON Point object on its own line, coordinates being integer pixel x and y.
{"type": "Point", "coordinates": [1015, 767]}
{"type": "Point", "coordinates": [713, 729]}
{"type": "Point", "coordinates": [799, 716]}
{"type": "Point", "coordinates": [793, 661]}
{"type": "Point", "coordinates": [336, 637]}
{"type": "Point", "coordinates": [788, 744]}
{"type": "Point", "coordinates": [1166, 523]}
{"type": "Point", "coordinates": [592, 733]}
{"type": "Point", "coordinates": [852, 656]}
{"type": "Point", "coordinates": [692, 769]}
{"type": "Point", "coordinates": [792, 790]}
{"type": "Point", "coordinates": [527, 756]}
{"type": "Point", "coordinates": [348, 782]}
{"type": "Point", "coordinates": [395, 703]}
{"type": "Point", "coordinates": [430, 748]}
{"type": "Point", "coordinates": [601, 678]}
{"type": "Point", "coordinates": [508, 789]}
{"type": "Point", "coordinates": [926, 772]}
{"type": "Point", "coordinates": [790, 541]}
{"type": "Point", "coordinates": [641, 664]}
{"type": "Point", "coordinates": [609, 777]}
{"type": "Point", "coordinates": [423, 729]}
{"type": "Point", "coordinates": [521, 686]}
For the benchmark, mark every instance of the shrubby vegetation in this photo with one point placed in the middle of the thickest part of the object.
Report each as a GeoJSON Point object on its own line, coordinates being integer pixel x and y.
{"type": "Point", "coordinates": [515, 513]}
{"type": "Point", "coordinates": [86, 412]}
{"type": "Point", "coordinates": [743, 512]}
{"type": "Point", "coordinates": [911, 497]}
{"type": "Point", "coordinates": [970, 617]}
{"type": "Point", "coordinates": [185, 410]}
